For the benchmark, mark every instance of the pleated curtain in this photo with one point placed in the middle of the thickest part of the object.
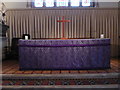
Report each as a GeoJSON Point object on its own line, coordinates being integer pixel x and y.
{"type": "Point", "coordinates": [84, 23]}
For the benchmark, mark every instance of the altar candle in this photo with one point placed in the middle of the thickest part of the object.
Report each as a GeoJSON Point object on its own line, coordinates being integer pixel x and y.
{"type": "Point", "coordinates": [26, 37]}
{"type": "Point", "coordinates": [102, 36]}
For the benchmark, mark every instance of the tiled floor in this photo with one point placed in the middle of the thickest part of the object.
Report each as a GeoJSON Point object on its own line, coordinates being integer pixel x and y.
{"type": "Point", "coordinates": [12, 67]}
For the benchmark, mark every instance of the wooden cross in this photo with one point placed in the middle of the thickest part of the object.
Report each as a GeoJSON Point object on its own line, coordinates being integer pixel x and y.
{"type": "Point", "coordinates": [63, 21]}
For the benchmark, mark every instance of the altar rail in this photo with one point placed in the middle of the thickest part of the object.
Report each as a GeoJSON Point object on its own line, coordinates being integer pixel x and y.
{"type": "Point", "coordinates": [85, 22]}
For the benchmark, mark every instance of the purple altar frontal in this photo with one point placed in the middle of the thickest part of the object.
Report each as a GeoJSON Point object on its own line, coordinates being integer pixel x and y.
{"type": "Point", "coordinates": [68, 54]}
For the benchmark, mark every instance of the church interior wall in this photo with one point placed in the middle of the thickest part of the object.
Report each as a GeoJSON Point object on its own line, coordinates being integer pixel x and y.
{"type": "Point", "coordinates": [85, 23]}
{"type": "Point", "coordinates": [19, 4]}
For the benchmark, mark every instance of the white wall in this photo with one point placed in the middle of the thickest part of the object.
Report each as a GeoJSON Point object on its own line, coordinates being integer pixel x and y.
{"type": "Point", "coordinates": [108, 4]}
{"type": "Point", "coordinates": [15, 5]}
{"type": "Point", "coordinates": [12, 5]}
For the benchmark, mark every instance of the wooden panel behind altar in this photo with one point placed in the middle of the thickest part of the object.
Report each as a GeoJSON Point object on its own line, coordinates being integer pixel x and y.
{"type": "Point", "coordinates": [85, 22]}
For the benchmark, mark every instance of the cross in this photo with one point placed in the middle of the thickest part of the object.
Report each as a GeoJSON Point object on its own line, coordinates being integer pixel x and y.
{"type": "Point", "coordinates": [63, 21]}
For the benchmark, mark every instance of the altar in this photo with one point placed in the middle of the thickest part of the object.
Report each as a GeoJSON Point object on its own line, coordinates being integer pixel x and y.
{"type": "Point", "coordinates": [66, 54]}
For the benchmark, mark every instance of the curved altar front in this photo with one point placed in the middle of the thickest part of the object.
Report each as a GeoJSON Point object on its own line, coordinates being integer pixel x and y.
{"type": "Point", "coordinates": [64, 54]}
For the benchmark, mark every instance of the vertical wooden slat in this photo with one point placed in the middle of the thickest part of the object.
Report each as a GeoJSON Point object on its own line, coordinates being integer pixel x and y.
{"type": "Point", "coordinates": [41, 27]}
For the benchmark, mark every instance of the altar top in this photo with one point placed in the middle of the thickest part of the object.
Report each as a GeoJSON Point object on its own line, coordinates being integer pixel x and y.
{"type": "Point", "coordinates": [62, 42]}
{"type": "Point", "coordinates": [66, 38]}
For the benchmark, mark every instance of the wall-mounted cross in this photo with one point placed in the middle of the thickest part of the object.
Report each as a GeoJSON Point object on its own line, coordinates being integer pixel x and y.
{"type": "Point", "coordinates": [63, 21]}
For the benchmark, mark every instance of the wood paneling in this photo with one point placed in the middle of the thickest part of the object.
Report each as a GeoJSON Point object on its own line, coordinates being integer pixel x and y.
{"type": "Point", "coordinates": [85, 22]}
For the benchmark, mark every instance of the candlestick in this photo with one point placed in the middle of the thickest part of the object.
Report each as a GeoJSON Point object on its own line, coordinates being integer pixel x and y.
{"type": "Point", "coordinates": [26, 37]}
{"type": "Point", "coordinates": [102, 36]}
